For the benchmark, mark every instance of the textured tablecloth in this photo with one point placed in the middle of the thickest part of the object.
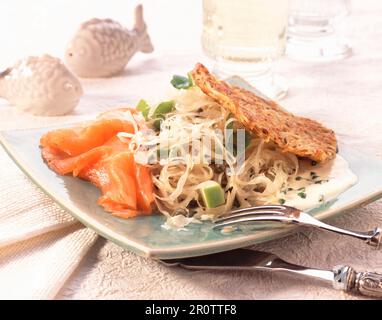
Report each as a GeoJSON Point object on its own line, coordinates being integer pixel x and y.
{"type": "Point", "coordinates": [345, 95]}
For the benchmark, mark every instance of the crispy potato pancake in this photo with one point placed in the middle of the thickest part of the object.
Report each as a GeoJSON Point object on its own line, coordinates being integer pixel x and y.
{"type": "Point", "coordinates": [265, 118]}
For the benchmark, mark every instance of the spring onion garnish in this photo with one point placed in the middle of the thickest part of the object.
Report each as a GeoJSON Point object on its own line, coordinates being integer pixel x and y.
{"type": "Point", "coordinates": [157, 124]}
{"type": "Point", "coordinates": [164, 108]}
{"type": "Point", "coordinates": [180, 82]}
{"type": "Point", "coordinates": [143, 107]}
{"type": "Point", "coordinates": [212, 194]}
{"type": "Point", "coordinates": [281, 201]}
{"type": "Point", "coordinates": [298, 178]}
{"type": "Point", "coordinates": [160, 111]}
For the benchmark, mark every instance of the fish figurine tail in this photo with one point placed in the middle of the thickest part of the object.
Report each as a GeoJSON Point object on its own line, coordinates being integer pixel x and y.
{"type": "Point", "coordinates": [140, 28]}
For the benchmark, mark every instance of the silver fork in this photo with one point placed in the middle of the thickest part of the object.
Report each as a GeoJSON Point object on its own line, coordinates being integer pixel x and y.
{"type": "Point", "coordinates": [289, 215]}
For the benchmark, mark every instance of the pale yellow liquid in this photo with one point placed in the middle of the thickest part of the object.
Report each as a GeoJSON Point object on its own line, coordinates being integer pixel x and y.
{"type": "Point", "coordinates": [247, 31]}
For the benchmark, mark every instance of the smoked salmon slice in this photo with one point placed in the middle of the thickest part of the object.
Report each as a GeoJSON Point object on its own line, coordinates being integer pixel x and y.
{"type": "Point", "coordinates": [95, 153]}
{"type": "Point", "coordinates": [75, 141]}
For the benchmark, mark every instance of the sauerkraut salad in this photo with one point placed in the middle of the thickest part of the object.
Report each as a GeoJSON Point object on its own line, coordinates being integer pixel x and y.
{"type": "Point", "coordinates": [203, 162]}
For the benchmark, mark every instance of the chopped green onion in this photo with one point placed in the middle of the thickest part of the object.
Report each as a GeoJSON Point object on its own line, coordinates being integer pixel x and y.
{"type": "Point", "coordinates": [157, 124]}
{"type": "Point", "coordinates": [298, 178]}
{"type": "Point", "coordinates": [164, 108]}
{"type": "Point", "coordinates": [144, 108]}
{"type": "Point", "coordinates": [180, 82]}
{"type": "Point", "coordinates": [212, 194]}
{"type": "Point", "coordinates": [229, 125]}
{"type": "Point", "coordinates": [281, 201]}
{"type": "Point", "coordinates": [160, 111]}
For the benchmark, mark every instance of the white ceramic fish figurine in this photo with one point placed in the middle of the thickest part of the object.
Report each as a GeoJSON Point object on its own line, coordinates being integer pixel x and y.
{"type": "Point", "coordinates": [103, 47]}
{"type": "Point", "coordinates": [41, 85]}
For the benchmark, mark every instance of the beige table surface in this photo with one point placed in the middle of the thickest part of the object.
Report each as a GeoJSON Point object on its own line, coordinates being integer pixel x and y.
{"type": "Point", "coordinates": [344, 95]}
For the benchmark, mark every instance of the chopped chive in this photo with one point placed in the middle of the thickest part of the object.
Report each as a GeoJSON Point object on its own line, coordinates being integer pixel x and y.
{"type": "Point", "coordinates": [301, 189]}
{"type": "Point", "coordinates": [281, 201]}
{"type": "Point", "coordinates": [290, 189]}
{"type": "Point", "coordinates": [302, 195]}
{"type": "Point", "coordinates": [320, 181]}
{"type": "Point", "coordinates": [313, 175]}
{"type": "Point", "coordinates": [298, 178]}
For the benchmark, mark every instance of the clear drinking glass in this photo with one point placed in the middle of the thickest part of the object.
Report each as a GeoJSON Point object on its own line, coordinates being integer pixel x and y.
{"type": "Point", "coordinates": [313, 30]}
{"type": "Point", "coordinates": [245, 38]}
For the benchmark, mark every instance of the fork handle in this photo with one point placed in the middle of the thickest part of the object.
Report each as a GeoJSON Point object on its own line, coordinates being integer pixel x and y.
{"type": "Point", "coordinates": [372, 238]}
{"type": "Point", "coordinates": [364, 283]}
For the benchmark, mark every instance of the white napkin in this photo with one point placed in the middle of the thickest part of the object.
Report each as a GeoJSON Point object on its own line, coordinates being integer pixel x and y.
{"type": "Point", "coordinates": [40, 244]}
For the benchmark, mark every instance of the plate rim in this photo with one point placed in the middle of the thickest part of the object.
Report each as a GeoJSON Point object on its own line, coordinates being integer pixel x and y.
{"type": "Point", "coordinates": [156, 253]}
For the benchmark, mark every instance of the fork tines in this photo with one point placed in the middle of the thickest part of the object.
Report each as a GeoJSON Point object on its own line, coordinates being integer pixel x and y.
{"type": "Point", "coordinates": [253, 214]}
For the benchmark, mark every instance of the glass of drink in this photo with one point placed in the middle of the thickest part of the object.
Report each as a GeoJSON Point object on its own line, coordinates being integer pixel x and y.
{"type": "Point", "coordinates": [313, 33]}
{"type": "Point", "coordinates": [246, 38]}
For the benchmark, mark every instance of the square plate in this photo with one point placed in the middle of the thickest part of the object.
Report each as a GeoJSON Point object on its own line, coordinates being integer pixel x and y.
{"type": "Point", "coordinates": [144, 235]}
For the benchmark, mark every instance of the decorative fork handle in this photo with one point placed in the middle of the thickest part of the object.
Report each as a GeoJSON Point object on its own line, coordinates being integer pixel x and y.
{"type": "Point", "coordinates": [364, 283]}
